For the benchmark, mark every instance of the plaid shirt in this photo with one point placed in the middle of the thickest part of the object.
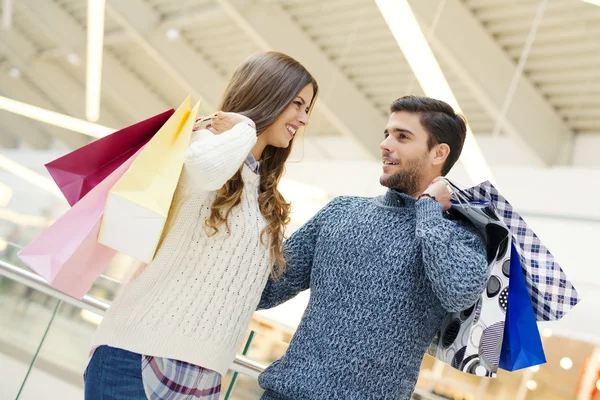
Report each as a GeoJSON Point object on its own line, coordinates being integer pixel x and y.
{"type": "Point", "coordinates": [168, 379]}
{"type": "Point", "coordinates": [252, 163]}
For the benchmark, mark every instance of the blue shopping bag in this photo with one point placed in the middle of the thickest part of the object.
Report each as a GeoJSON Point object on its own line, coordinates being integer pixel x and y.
{"type": "Point", "coordinates": [522, 345]}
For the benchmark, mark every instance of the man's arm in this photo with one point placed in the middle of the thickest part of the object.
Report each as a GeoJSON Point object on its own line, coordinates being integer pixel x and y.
{"type": "Point", "coordinates": [299, 251]}
{"type": "Point", "coordinates": [454, 257]}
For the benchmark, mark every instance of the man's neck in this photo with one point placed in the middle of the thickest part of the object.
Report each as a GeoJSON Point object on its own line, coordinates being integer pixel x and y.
{"type": "Point", "coordinates": [424, 184]}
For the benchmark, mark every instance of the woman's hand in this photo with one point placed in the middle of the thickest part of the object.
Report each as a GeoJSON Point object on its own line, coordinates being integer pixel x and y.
{"type": "Point", "coordinates": [224, 121]}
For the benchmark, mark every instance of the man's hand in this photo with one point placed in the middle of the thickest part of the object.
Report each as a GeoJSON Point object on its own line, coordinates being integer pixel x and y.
{"type": "Point", "coordinates": [224, 121]}
{"type": "Point", "coordinates": [439, 189]}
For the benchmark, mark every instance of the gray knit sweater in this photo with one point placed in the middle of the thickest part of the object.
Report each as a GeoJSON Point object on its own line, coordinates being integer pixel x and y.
{"type": "Point", "coordinates": [383, 272]}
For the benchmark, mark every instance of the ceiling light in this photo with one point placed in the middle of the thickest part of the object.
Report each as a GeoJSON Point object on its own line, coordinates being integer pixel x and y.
{"type": "Point", "coordinates": [95, 44]}
{"type": "Point", "coordinates": [566, 363]}
{"type": "Point", "coordinates": [54, 118]}
{"type": "Point", "coordinates": [411, 40]}
{"type": "Point", "coordinates": [173, 34]}
{"type": "Point", "coordinates": [14, 72]}
{"type": "Point", "coordinates": [532, 385]}
{"type": "Point", "coordinates": [594, 2]}
{"type": "Point", "coordinates": [535, 368]}
{"type": "Point", "coordinates": [598, 384]}
{"type": "Point", "coordinates": [73, 59]}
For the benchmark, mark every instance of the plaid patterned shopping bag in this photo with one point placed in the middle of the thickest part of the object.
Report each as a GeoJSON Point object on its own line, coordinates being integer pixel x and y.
{"type": "Point", "coordinates": [551, 293]}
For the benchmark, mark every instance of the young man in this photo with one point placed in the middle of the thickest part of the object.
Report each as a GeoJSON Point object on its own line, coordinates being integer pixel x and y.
{"type": "Point", "coordinates": [383, 272]}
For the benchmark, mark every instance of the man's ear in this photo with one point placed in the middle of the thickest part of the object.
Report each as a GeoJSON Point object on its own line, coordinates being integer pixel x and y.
{"type": "Point", "coordinates": [441, 153]}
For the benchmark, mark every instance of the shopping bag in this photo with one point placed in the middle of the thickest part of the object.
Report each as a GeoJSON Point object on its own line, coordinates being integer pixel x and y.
{"type": "Point", "coordinates": [78, 172]}
{"type": "Point", "coordinates": [67, 254]}
{"type": "Point", "coordinates": [552, 295]}
{"type": "Point", "coordinates": [471, 340]}
{"type": "Point", "coordinates": [522, 345]}
{"type": "Point", "coordinates": [138, 205]}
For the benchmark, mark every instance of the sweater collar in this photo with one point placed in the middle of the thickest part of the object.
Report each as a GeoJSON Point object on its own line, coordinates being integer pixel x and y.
{"type": "Point", "coordinates": [394, 198]}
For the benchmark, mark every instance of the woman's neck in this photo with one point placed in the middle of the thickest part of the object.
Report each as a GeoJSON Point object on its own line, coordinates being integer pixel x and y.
{"type": "Point", "coordinates": [258, 149]}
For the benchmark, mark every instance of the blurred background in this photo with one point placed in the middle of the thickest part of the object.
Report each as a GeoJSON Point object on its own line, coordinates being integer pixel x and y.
{"type": "Point", "coordinates": [526, 74]}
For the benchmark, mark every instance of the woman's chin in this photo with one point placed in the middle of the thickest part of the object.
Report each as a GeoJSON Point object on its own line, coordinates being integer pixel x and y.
{"type": "Point", "coordinates": [283, 144]}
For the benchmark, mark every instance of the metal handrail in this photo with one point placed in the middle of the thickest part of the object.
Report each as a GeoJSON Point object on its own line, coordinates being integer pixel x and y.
{"type": "Point", "coordinates": [241, 364]}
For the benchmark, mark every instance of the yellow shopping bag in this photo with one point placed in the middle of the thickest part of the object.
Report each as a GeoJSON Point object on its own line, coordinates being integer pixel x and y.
{"type": "Point", "coordinates": [138, 205]}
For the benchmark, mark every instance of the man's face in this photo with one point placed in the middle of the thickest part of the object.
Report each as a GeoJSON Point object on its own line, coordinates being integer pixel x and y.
{"type": "Point", "coordinates": [404, 152]}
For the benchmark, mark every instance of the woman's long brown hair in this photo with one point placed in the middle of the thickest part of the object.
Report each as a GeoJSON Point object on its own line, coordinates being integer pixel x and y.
{"type": "Point", "coordinates": [262, 88]}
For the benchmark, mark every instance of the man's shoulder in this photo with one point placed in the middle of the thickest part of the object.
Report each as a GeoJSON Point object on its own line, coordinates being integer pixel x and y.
{"type": "Point", "coordinates": [347, 201]}
{"type": "Point", "coordinates": [342, 205]}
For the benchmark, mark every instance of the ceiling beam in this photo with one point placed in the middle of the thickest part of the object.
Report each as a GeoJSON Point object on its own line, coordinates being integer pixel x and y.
{"type": "Point", "coordinates": [60, 51]}
{"type": "Point", "coordinates": [121, 87]}
{"type": "Point", "coordinates": [339, 99]}
{"type": "Point", "coordinates": [175, 20]}
{"type": "Point", "coordinates": [15, 128]}
{"type": "Point", "coordinates": [56, 83]}
{"type": "Point", "coordinates": [525, 10]}
{"type": "Point", "coordinates": [178, 59]}
{"type": "Point", "coordinates": [188, 17]}
{"type": "Point", "coordinates": [23, 90]}
{"type": "Point", "coordinates": [8, 139]}
{"type": "Point", "coordinates": [25, 130]}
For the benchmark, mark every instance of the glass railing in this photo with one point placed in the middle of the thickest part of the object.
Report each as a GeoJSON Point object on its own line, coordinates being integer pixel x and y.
{"type": "Point", "coordinates": [45, 336]}
{"type": "Point", "coordinates": [27, 315]}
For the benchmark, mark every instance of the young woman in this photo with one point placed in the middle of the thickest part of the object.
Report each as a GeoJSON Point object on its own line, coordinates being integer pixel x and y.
{"type": "Point", "coordinates": [174, 330]}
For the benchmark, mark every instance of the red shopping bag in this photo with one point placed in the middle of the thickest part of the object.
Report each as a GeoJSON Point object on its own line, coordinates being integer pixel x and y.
{"type": "Point", "coordinates": [81, 170]}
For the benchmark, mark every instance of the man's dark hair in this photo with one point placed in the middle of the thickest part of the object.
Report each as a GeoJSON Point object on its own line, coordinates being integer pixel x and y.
{"type": "Point", "coordinates": [441, 123]}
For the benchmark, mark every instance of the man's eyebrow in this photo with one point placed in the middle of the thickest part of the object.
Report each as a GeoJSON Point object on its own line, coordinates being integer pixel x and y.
{"type": "Point", "coordinates": [398, 130]}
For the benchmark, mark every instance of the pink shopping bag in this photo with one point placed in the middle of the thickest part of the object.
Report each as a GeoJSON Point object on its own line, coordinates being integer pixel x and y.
{"type": "Point", "coordinates": [67, 254]}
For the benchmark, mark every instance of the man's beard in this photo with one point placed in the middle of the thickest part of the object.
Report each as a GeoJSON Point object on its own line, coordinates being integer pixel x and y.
{"type": "Point", "coordinates": [407, 179]}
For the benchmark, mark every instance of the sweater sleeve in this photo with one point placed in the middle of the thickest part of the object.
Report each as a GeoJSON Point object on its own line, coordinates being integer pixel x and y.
{"type": "Point", "coordinates": [299, 251]}
{"type": "Point", "coordinates": [211, 160]}
{"type": "Point", "coordinates": [454, 257]}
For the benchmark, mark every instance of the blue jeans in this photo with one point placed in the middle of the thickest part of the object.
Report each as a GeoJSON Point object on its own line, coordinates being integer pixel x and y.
{"type": "Point", "coordinates": [114, 374]}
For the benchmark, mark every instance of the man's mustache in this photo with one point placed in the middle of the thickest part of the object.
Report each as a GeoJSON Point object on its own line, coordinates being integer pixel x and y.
{"type": "Point", "coordinates": [387, 157]}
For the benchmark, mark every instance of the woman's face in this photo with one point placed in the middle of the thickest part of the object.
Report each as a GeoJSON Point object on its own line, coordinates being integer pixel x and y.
{"type": "Point", "coordinates": [282, 131]}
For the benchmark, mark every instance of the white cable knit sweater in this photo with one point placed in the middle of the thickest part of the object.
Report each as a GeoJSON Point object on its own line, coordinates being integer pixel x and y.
{"type": "Point", "coordinates": [194, 301]}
